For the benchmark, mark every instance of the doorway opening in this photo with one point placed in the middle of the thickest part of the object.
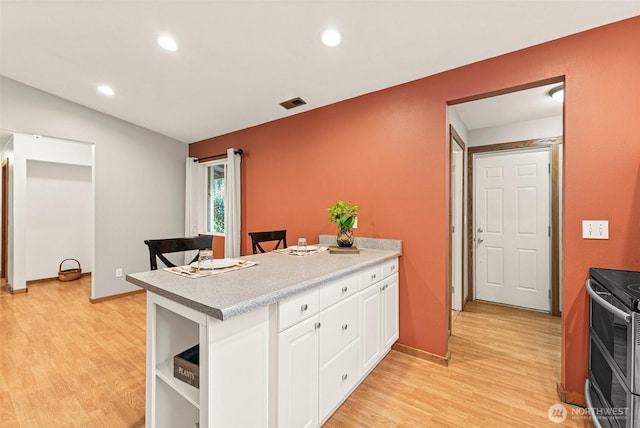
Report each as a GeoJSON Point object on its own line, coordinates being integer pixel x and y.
{"type": "Point", "coordinates": [526, 118]}
{"type": "Point", "coordinates": [456, 220]}
{"type": "Point", "coordinates": [495, 124]}
{"type": "Point", "coordinates": [49, 214]}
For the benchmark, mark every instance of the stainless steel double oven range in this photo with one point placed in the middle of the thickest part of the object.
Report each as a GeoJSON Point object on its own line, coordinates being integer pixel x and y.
{"type": "Point", "coordinates": [612, 389]}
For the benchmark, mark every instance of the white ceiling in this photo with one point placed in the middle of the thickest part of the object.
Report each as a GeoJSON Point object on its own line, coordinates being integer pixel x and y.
{"type": "Point", "coordinates": [239, 59]}
{"type": "Point", "coordinates": [529, 104]}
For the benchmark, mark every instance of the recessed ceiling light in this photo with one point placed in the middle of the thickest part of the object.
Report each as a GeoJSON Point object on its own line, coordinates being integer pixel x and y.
{"type": "Point", "coordinates": [331, 38]}
{"type": "Point", "coordinates": [168, 43]}
{"type": "Point", "coordinates": [557, 93]}
{"type": "Point", "coordinates": [106, 89]}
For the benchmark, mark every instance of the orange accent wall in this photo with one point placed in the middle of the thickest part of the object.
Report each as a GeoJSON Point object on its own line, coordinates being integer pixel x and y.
{"type": "Point", "coordinates": [388, 152]}
{"type": "Point", "coordinates": [218, 247]}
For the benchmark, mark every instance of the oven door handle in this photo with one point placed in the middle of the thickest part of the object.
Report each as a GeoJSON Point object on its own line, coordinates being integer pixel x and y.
{"type": "Point", "coordinates": [608, 306]}
{"type": "Point", "coordinates": [587, 398]}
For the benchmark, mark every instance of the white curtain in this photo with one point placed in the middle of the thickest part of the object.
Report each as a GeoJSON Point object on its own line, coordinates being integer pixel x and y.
{"type": "Point", "coordinates": [195, 215]}
{"type": "Point", "coordinates": [232, 205]}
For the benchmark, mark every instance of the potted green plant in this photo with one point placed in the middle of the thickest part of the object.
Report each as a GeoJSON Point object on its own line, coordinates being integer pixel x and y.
{"type": "Point", "coordinates": [344, 214]}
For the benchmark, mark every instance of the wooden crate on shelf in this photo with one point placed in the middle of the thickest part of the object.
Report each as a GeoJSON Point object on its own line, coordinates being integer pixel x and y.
{"type": "Point", "coordinates": [186, 366]}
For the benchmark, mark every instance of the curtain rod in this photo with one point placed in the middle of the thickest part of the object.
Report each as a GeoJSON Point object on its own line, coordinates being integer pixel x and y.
{"type": "Point", "coordinates": [236, 151]}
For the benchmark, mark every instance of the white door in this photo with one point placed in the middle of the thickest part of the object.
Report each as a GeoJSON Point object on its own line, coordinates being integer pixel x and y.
{"type": "Point", "coordinates": [512, 224]}
{"type": "Point", "coordinates": [456, 228]}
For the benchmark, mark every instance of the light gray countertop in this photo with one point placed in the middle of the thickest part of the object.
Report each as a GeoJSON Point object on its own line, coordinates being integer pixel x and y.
{"type": "Point", "coordinates": [275, 277]}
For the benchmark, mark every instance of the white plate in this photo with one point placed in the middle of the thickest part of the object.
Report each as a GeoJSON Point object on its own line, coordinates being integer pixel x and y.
{"type": "Point", "coordinates": [216, 264]}
{"type": "Point", "coordinates": [307, 248]}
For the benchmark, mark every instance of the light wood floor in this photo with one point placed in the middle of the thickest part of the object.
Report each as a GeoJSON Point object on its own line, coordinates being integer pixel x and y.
{"type": "Point", "coordinates": [67, 362]}
{"type": "Point", "coordinates": [503, 371]}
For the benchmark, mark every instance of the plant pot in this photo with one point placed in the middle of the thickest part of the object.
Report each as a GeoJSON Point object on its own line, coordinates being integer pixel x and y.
{"type": "Point", "coordinates": [345, 237]}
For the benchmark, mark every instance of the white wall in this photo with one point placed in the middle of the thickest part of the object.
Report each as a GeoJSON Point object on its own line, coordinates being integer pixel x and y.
{"type": "Point", "coordinates": [59, 223]}
{"type": "Point", "coordinates": [458, 124]}
{"type": "Point", "coordinates": [519, 131]}
{"type": "Point", "coordinates": [139, 177]}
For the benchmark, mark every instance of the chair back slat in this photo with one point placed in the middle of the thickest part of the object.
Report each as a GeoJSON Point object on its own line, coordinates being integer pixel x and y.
{"type": "Point", "coordinates": [159, 247]}
{"type": "Point", "coordinates": [272, 235]}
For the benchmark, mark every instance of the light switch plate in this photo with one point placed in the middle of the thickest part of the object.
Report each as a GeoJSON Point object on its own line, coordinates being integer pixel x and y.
{"type": "Point", "coordinates": [595, 229]}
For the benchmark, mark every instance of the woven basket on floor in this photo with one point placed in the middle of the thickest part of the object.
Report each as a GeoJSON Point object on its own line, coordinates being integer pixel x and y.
{"type": "Point", "coordinates": [69, 274]}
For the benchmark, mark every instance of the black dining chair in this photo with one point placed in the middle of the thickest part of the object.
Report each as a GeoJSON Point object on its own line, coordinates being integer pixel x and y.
{"type": "Point", "coordinates": [273, 235]}
{"type": "Point", "coordinates": [159, 247]}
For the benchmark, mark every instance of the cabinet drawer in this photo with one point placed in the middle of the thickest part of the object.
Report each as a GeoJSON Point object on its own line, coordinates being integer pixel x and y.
{"type": "Point", "coordinates": [339, 290]}
{"type": "Point", "coordinates": [297, 308]}
{"type": "Point", "coordinates": [337, 378]}
{"type": "Point", "coordinates": [370, 276]}
{"type": "Point", "coordinates": [389, 268]}
{"type": "Point", "coordinates": [340, 325]}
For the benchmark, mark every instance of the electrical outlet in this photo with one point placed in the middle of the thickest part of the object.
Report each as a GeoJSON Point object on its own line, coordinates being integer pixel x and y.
{"type": "Point", "coordinates": [118, 272]}
{"type": "Point", "coordinates": [355, 223]}
{"type": "Point", "coordinates": [595, 229]}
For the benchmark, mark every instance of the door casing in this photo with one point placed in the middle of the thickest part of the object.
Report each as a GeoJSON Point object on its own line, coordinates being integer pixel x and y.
{"type": "Point", "coordinates": [455, 138]}
{"type": "Point", "coordinates": [5, 218]}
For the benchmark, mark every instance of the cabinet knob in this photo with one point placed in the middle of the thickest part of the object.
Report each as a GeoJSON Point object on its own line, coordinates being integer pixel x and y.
{"type": "Point", "coordinates": [373, 276]}
{"type": "Point", "coordinates": [344, 327]}
{"type": "Point", "coordinates": [344, 377]}
{"type": "Point", "coordinates": [386, 286]}
{"type": "Point", "coordinates": [393, 267]}
{"type": "Point", "coordinates": [382, 288]}
{"type": "Point", "coordinates": [344, 289]}
{"type": "Point", "coordinates": [304, 307]}
{"type": "Point", "coordinates": [317, 325]}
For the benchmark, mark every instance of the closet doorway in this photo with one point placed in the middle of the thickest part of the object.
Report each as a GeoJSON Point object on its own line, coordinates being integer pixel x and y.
{"type": "Point", "coordinates": [49, 215]}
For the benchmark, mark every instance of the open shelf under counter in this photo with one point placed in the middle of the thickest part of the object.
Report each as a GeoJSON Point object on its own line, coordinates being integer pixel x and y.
{"type": "Point", "coordinates": [164, 371]}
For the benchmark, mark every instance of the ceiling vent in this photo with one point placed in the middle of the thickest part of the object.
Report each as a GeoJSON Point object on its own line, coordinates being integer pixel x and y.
{"type": "Point", "coordinates": [293, 102]}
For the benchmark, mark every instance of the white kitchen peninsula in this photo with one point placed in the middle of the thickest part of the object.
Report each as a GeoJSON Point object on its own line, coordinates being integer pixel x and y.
{"type": "Point", "coordinates": [282, 343]}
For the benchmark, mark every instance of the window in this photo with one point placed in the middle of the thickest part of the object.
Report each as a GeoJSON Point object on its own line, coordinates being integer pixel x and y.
{"type": "Point", "coordinates": [215, 197]}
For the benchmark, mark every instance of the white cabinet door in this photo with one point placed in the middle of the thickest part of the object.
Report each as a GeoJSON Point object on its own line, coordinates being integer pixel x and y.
{"type": "Point", "coordinates": [337, 378]}
{"type": "Point", "coordinates": [371, 306]}
{"type": "Point", "coordinates": [298, 375]}
{"type": "Point", "coordinates": [340, 326]}
{"type": "Point", "coordinates": [390, 331]}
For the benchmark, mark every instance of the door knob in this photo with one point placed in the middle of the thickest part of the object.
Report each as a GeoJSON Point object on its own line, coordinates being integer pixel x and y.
{"type": "Point", "coordinates": [480, 240]}
{"type": "Point", "coordinates": [480, 230]}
